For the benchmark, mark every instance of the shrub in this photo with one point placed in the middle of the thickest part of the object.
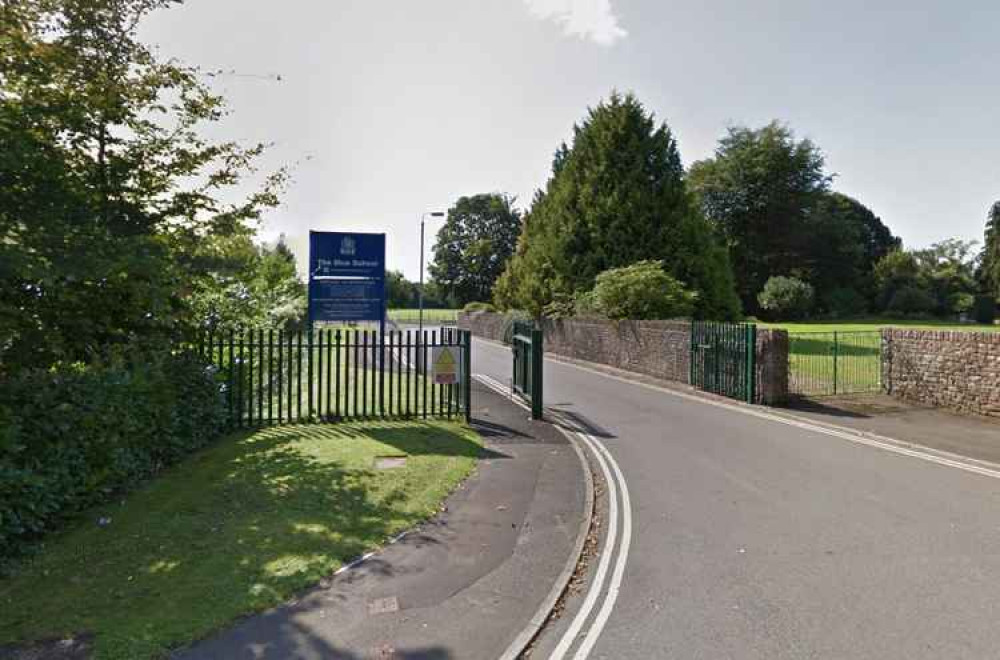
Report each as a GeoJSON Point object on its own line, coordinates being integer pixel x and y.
{"type": "Point", "coordinates": [479, 307]}
{"type": "Point", "coordinates": [961, 302]}
{"type": "Point", "coordinates": [561, 307]}
{"type": "Point", "coordinates": [911, 300]}
{"type": "Point", "coordinates": [985, 310]}
{"type": "Point", "coordinates": [845, 303]}
{"type": "Point", "coordinates": [786, 298]}
{"type": "Point", "coordinates": [72, 436]}
{"type": "Point", "coordinates": [640, 291]}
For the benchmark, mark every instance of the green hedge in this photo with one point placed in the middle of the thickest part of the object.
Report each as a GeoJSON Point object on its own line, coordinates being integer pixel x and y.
{"type": "Point", "coordinates": [71, 437]}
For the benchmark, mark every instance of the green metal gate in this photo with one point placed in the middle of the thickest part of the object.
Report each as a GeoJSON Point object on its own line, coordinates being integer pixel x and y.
{"type": "Point", "coordinates": [527, 342]}
{"type": "Point", "coordinates": [724, 359]}
{"type": "Point", "coordinates": [832, 363]}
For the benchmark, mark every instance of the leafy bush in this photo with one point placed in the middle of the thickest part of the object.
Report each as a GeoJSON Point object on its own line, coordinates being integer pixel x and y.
{"type": "Point", "coordinates": [786, 298]}
{"type": "Point", "coordinates": [985, 310]}
{"type": "Point", "coordinates": [640, 291]}
{"type": "Point", "coordinates": [561, 307]}
{"type": "Point", "coordinates": [479, 307]}
{"type": "Point", "coordinates": [911, 300]}
{"type": "Point", "coordinates": [845, 303]}
{"type": "Point", "coordinates": [71, 436]}
{"type": "Point", "coordinates": [961, 302]}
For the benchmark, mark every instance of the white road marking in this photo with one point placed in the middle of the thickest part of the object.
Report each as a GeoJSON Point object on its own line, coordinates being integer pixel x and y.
{"type": "Point", "coordinates": [597, 586]}
{"type": "Point", "coordinates": [974, 466]}
{"type": "Point", "coordinates": [616, 579]}
{"type": "Point", "coordinates": [616, 484]}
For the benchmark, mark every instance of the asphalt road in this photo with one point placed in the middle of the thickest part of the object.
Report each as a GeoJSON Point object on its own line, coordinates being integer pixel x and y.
{"type": "Point", "coordinates": [753, 538]}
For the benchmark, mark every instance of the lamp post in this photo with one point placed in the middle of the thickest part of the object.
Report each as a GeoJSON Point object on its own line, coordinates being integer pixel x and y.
{"type": "Point", "coordinates": [433, 214]}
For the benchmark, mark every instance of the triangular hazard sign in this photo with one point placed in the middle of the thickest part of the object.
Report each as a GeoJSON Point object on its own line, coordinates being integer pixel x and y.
{"type": "Point", "coordinates": [445, 361]}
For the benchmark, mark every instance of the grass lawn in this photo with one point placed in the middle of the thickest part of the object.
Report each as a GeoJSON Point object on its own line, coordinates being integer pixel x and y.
{"type": "Point", "coordinates": [878, 324]}
{"type": "Point", "coordinates": [819, 365]}
{"type": "Point", "coordinates": [237, 528]}
{"type": "Point", "coordinates": [430, 315]}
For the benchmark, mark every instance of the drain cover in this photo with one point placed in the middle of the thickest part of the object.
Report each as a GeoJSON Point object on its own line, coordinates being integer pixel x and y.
{"type": "Point", "coordinates": [383, 606]}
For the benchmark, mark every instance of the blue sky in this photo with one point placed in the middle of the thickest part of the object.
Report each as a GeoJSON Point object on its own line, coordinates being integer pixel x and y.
{"type": "Point", "coordinates": [389, 108]}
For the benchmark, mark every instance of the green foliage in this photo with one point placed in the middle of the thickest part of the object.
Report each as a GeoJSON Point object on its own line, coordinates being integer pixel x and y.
{"type": "Point", "coordinates": [615, 197]}
{"type": "Point", "coordinates": [911, 301]}
{"type": "Point", "coordinates": [990, 268]}
{"type": "Point", "coordinates": [786, 298]}
{"type": "Point", "coordinates": [251, 287]}
{"type": "Point", "coordinates": [984, 309]}
{"type": "Point", "coordinates": [474, 245]}
{"type": "Point", "coordinates": [107, 185]}
{"type": "Point", "coordinates": [897, 270]}
{"type": "Point", "coordinates": [844, 241]}
{"type": "Point", "coordinates": [768, 195]}
{"type": "Point", "coordinates": [640, 291]}
{"type": "Point", "coordinates": [400, 292]}
{"type": "Point", "coordinates": [74, 435]}
{"type": "Point", "coordinates": [948, 274]}
{"type": "Point", "coordinates": [759, 190]}
{"type": "Point", "coordinates": [564, 307]}
{"type": "Point", "coordinates": [845, 303]}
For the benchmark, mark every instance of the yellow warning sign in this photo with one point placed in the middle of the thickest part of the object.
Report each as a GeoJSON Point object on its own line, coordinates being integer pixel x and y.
{"type": "Point", "coordinates": [445, 361]}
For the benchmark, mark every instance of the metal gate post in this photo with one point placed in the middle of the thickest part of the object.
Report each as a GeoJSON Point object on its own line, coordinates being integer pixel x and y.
{"type": "Point", "coordinates": [835, 362]}
{"type": "Point", "coordinates": [537, 359]}
{"type": "Point", "coordinates": [467, 364]}
{"type": "Point", "coordinates": [751, 339]}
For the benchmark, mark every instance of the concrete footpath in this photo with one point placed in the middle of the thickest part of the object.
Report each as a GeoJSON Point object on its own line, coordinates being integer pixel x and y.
{"type": "Point", "coordinates": [464, 585]}
{"type": "Point", "coordinates": [885, 416]}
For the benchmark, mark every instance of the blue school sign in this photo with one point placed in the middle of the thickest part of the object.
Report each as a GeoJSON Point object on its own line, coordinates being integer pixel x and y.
{"type": "Point", "coordinates": [346, 276]}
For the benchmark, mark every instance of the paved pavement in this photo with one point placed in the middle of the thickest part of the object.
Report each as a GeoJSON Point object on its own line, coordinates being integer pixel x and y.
{"type": "Point", "coordinates": [464, 585]}
{"type": "Point", "coordinates": [753, 537]}
{"type": "Point", "coordinates": [880, 414]}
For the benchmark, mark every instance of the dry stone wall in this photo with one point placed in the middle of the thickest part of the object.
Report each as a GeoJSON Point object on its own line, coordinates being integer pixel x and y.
{"type": "Point", "coordinates": [956, 370]}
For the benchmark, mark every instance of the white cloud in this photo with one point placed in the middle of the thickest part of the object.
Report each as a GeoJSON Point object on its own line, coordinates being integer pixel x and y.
{"type": "Point", "coordinates": [588, 19]}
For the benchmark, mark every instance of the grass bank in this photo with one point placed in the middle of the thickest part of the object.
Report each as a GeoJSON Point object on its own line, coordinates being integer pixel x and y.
{"type": "Point", "coordinates": [235, 529]}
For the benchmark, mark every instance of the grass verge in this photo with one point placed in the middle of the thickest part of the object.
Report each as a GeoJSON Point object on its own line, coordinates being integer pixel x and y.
{"type": "Point", "coordinates": [235, 529]}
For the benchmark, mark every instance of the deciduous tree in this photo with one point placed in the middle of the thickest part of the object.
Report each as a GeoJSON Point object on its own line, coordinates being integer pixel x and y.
{"type": "Point", "coordinates": [758, 190]}
{"type": "Point", "coordinates": [107, 183]}
{"type": "Point", "coordinates": [474, 245]}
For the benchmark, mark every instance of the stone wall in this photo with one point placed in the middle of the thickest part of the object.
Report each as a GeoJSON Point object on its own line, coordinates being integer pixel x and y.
{"type": "Point", "coordinates": [956, 370]}
{"type": "Point", "coordinates": [661, 349]}
{"type": "Point", "coordinates": [487, 325]}
{"type": "Point", "coordinates": [772, 367]}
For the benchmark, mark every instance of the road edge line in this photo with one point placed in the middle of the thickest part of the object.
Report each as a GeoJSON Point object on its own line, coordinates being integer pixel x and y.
{"type": "Point", "coordinates": [530, 632]}
{"type": "Point", "coordinates": [614, 585]}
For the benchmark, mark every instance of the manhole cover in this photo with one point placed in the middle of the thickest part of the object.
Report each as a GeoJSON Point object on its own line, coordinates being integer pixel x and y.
{"type": "Point", "coordinates": [383, 606]}
{"type": "Point", "coordinates": [389, 462]}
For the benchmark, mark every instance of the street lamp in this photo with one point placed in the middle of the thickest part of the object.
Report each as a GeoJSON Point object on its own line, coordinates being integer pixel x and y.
{"type": "Point", "coordinates": [433, 214]}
